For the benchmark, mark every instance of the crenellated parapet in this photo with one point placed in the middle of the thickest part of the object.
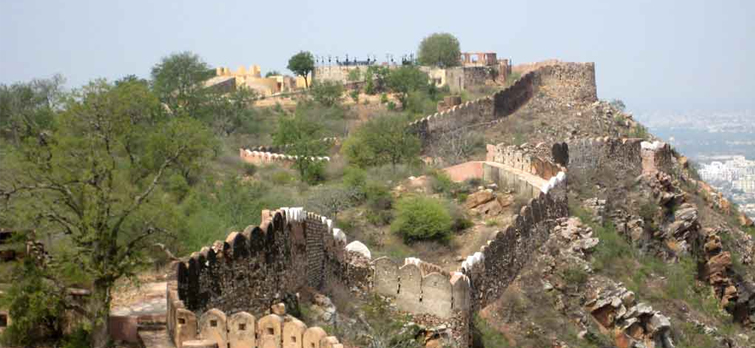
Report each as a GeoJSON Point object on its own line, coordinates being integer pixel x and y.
{"type": "Point", "coordinates": [256, 268]}
{"type": "Point", "coordinates": [524, 160]}
{"type": "Point", "coordinates": [495, 266]}
{"type": "Point", "coordinates": [264, 157]}
{"type": "Point", "coordinates": [241, 329]}
{"type": "Point", "coordinates": [422, 288]}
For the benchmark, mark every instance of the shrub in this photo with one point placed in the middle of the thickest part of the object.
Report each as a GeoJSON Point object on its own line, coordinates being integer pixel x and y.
{"type": "Point", "coordinates": [355, 178]}
{"type": "Point", "coordinates": [382, 140]}
{"type": "Point", "coordinates": [355, 96]}
{"type": "Point", "coordinates": [327, 93]}
{"type": "Point", "coordinates": [281, 178]}
{"type": "Point", "coordinates": [422, 218]}
{"type": "Point", "coordinates": [442, 183]}
{"type": "Point", "coordinates": [575, 275]}
{"type": "Point", "coordinates": [486, 335]}
{"type": "Point", "coordinates": [314, 172]}
{"type": "Point", "coordinates": [378, 196]}
{"type": "Point", "coordinates": [355, 75]}
{"type": "Point", "coordinates": [391, 106]}
{"type": "Point", "coordinates": [460, 221]}
{"type": "Point", "coordinates": [36, 306]}
{"type": "Point", "coordinates": [638, 131]}
{"type": "Point", "coordinates": [249, 169]}
{"type": "Point", "coordinates": [379, 217]}
{"type": "Point", "coordinates": [383, 98]}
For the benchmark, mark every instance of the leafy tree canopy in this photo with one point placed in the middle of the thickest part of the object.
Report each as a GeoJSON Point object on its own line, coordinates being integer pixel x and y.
{"type": "Point", "coordinates": [302, 136]}
{"type": "Point", "coordinates": [382, 140]}
{"type": "Point", "coordinates": [302, 64]}
{"type": "Point", "coordinates": [327, 93]}
{"type": "Point", "coordinates": [178, 81]}
{"type": "Point", "coordinates": [406, 79]}
{"type": "Point", "coordinates": [95, 181]}
{"type": "Point", "coordinates": [439, 49]}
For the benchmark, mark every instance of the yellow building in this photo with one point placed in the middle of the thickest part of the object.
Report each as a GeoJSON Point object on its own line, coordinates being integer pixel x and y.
{"type": "Point", "coordinates": [252, 78]}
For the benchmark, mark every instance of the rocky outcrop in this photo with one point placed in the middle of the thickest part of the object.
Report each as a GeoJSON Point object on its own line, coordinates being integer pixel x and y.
{"type": "Point", "coordinates": [611, 306]}
{"type": "Point", "coordinates": [630, 322]}
{"type": "Point", "coordinates": [487, 202]}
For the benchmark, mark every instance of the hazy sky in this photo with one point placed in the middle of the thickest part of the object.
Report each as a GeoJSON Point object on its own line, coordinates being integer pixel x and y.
{"type": "Point", "coordinates": [678, 55]}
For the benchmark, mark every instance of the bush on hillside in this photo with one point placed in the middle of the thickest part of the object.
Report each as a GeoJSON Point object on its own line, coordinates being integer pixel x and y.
{"type": "Point", "coordinates": [36, 306]}
{"type": "Point", "coordinates": [327, 93]}
{"type": "Point", "coordinates": [422, 218]}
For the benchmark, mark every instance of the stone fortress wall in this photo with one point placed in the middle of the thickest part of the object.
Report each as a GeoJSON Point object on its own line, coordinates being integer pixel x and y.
{"type": "Point", "coordinates": [421, 288]}
{"type": "Point", "coordinates": [337, 73]}
{"type": "Point", "coordinates": [573, 82]}
{"type": "Point", "coordinates": [263, 155]}
{"type": "Point", "coordinates": [252, 270]}
{"type": "Point", "coordinates": [630, 156]}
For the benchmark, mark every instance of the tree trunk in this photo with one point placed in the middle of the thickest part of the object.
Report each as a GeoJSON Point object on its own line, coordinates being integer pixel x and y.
{"type": "Point", "coordinates": [100, 313]}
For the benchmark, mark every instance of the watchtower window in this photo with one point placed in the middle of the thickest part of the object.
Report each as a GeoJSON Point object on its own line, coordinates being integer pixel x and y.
{"type": "Point", "coordinates": [293, 339]}
{"type": "Point", "coordinates": [242, 327]}
{"type": "Point", "coordinates": [270, 331]}
{"type": "Point", "coordinates": [213, 323]}
{"type": "Point", "coordinates": [181, 321]}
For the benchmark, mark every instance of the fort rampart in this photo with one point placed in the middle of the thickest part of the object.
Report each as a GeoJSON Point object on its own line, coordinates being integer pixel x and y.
{"type": "Point", "coordinates": [629, 156]}
{"type": "Point", "coordinates": [265, 157]}
{"type": "Point", "coordinates": [573, 82]}
{"type": "Point", "coordinates": [263, 265]}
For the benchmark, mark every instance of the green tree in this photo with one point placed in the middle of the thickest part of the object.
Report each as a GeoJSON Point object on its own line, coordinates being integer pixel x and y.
{"type": "Point", "coordinates": [27, 108]}
{"type": "Point", "coordinates": [272, 73]}
{"type": "Point", "coordinates": [375, 79]}
{"type": "Point", "coordinates": [231, 112]}
{"type": "Point", "coordinates": [36, 304]}
{"type": "Point", "coordinates": [382, 140]}
{"type": "Point", "coordinates": [96, 181]}
{"type": "Point", "coordinates": [407, 79]}
{"type": "Point", "coordinates": [355, 75]}
{"type": "Point", "coordinates": [422, 218]}
{"type": "Point", "coordinates": [439, 49]}
{"type": "Point", "coordinates": [327, 93]}
{"type": "Point", "coordinates": [302, 136]}
{"type": "Point", "coordinates": [178, 80]}
{"type": "Point", "coordinates": [302, 64]}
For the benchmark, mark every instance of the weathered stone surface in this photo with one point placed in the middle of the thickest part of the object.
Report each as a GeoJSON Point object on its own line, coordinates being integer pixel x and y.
{"type": "Point", "coordinates": [214, 327]}
{"type": "Point", "coordinates": [241, 330]}
{"type": "Point", "coordinates": [478, 198]}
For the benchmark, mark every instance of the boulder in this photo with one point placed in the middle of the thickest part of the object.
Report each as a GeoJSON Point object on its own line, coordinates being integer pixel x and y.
{"type": "Point", "coordinates": [715, 268]}
{"type": "Point", "coordinates": [492, 208]}
{"type": "Point", "coordinates": [745, 221]}
{"type": "Point", "coordinates": [478, 198]}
